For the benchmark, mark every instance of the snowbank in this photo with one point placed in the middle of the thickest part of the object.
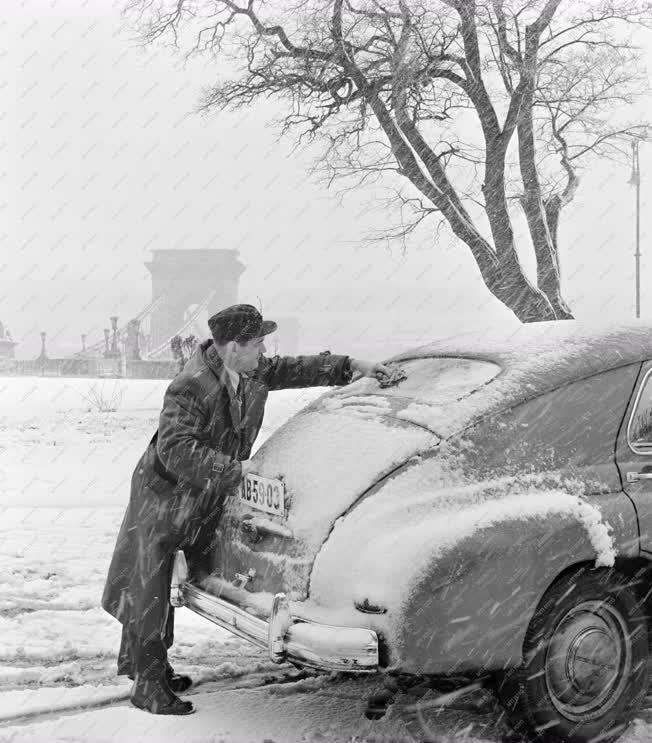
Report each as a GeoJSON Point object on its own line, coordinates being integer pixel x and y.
{"type": "Point", "coordinates": [44, 396]}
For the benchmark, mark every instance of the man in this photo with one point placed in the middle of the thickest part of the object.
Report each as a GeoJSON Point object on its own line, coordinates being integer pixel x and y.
{"type": "Point", "coordinates": [212, 412]}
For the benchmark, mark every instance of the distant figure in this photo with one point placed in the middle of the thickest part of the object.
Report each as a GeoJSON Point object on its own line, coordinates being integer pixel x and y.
{"type": "Point", "coordinates": [177, 350]}
{"type": "Point", "coordinates": [182, 349]}
{"type": "Point", "coordinates": [188, 346]}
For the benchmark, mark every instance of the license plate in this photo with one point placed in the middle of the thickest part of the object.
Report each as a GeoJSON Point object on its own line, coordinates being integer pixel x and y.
{"type": "Point", "coordinates": [264, 493]}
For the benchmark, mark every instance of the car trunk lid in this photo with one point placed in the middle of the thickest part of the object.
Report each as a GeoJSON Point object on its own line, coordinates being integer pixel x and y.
{"type": "Point", "coordinates": [326, 460]}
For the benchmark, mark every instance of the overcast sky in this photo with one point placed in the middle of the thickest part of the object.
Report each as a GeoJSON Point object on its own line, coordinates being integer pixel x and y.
{"type": "Point", "coordinates": [103, 160]}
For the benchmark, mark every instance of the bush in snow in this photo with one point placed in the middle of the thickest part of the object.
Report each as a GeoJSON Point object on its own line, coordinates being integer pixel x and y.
{"type": "Point", "coordinates": [102, 399]}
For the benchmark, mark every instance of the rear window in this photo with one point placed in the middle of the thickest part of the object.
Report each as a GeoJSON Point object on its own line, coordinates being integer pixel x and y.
{"type": "Point", "coordinates": [438, 381]}
{"type": "Point", "coordinates": [639, 431]}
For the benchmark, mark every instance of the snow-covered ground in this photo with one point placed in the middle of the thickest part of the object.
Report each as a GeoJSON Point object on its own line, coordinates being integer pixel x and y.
{"type": "Point", "coordinates": [65, 468]}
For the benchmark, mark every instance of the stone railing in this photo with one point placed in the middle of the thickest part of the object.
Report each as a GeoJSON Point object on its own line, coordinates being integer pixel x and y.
{"type": "Point", "coordinates": [93, 367]}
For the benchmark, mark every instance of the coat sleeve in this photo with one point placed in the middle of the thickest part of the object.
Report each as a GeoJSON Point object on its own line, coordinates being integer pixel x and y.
{"type": "Point", "coordinates": [322, 370]}
{"type": "Point", "coordinates": [180, 444]}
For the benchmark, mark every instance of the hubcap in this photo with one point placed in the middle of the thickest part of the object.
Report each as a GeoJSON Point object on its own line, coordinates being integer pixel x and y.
{"type": "Point", "coordinates": [588, 661]}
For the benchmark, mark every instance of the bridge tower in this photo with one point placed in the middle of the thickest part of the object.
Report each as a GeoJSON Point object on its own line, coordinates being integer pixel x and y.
{"type": "Point", "coordinates": [184, 278]}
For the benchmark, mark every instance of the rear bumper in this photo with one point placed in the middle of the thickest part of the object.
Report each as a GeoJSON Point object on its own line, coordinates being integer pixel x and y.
{"type": "Point", "coordinates": [322, 646]}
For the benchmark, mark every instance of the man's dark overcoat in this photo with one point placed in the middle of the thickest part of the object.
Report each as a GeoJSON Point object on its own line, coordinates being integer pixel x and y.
{"type": "Point", "coordinates": [202, 435]}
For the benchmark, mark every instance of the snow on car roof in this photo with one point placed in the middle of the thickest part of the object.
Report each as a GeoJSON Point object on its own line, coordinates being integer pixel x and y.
{"type": "Point", "coordinates": [534, 358]}
{"type": "Point", "coordinates": [571, 348]}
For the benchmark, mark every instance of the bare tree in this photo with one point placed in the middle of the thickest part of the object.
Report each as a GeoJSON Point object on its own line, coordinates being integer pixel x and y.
{"type": "Point", "coordinates": [464, 107]}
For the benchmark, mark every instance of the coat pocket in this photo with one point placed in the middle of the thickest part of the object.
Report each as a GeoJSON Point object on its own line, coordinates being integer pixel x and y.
{"type": "Point", "coordinates": [181, 511]}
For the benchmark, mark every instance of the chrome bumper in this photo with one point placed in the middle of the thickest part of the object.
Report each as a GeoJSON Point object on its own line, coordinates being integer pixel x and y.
{"type": "Point", "coordinates": [285, 638]}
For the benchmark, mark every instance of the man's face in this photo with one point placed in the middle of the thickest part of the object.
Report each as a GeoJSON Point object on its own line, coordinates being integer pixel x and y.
{"type": "Point", "coordinates": [244, 357]}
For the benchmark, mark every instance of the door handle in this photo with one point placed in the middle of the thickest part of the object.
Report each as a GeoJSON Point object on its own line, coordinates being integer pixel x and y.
{"type": "Point", "coordinates": [635, 476]}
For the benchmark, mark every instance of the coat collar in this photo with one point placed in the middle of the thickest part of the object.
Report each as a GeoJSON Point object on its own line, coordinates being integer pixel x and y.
{"type": "Point", "coordinates": [206, 356]}
{"type": "Point", "coordinates": [208, 353]}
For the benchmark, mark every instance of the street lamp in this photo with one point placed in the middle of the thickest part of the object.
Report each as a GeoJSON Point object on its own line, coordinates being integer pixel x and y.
{"type": "Point", "coordinates": [635, 180]}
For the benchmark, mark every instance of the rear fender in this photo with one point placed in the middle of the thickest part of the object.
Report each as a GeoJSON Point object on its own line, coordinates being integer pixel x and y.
{"type": "Point", "coordinates": [470, 609]}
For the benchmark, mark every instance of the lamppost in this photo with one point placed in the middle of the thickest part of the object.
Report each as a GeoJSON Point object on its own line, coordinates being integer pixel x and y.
{"type": "Point", "coordinates": [114, 342]}
{"type": "Point", "coordinates": [635, 180]}
{"type": "Point", "coordinates": [43, 356]}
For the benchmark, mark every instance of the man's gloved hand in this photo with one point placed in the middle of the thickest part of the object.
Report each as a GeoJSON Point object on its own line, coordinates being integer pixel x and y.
{"type": "Point", "coordinates": [370, 369]}
{"type": "Point", "coordinates": [233, 481]}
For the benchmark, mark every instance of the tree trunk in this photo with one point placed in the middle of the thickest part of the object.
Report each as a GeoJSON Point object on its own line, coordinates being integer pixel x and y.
{"type": "Point", "coordinates": [537, 215]}
{"type": "Point", "coordinates": [553, 207]}
{"type": "Point", "coordinates": [508, 283]}
{"type": "Point", "coordinates": [545, 248]}
{"type": "Point", "coordinates": [511, 286]}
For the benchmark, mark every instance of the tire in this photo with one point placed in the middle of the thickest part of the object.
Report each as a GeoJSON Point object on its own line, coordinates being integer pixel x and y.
{"type": "Point", "coordinates": [585, 668]}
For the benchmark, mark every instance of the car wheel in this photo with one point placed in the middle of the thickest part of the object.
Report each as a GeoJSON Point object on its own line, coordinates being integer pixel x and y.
{"type": "Point", "coordinates": [585, 667]}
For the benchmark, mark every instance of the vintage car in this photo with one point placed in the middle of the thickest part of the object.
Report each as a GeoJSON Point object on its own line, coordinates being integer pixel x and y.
{"type": "Point", "coordinates": [489, 516]}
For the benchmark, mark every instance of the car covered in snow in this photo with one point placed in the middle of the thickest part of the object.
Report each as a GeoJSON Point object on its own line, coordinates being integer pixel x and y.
{"type": "Point", "coordinates": [489, 516]}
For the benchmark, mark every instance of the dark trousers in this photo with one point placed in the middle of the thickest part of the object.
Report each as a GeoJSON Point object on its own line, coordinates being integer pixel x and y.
{"type": "Point", "coordinates": [146, 656]}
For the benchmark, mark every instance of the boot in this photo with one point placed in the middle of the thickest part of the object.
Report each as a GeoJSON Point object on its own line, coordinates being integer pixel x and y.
{"type": "Point", "coordinates": [155, 696]}
{"type": "Point", "coordinates": [151, 690]}
{"type": "Point", "coordinates": [178, 682]}
{"type": "Point", "coordinates": [128, 647]}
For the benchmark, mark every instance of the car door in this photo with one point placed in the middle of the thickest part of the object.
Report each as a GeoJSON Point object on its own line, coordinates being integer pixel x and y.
{"type": "Point", "coordinates": [634, 453]}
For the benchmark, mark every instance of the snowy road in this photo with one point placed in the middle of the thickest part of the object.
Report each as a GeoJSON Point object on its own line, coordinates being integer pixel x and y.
{"type": "Point", "coordinates": [314, 709]}
{"type": "Point", "coordinates": [272, 706]}
{"type": "Point", "coordinates": [64, 473]}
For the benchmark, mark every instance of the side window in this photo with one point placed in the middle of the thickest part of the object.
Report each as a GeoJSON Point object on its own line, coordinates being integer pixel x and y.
{"type": "Point", "coordinates": [639, 430]}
